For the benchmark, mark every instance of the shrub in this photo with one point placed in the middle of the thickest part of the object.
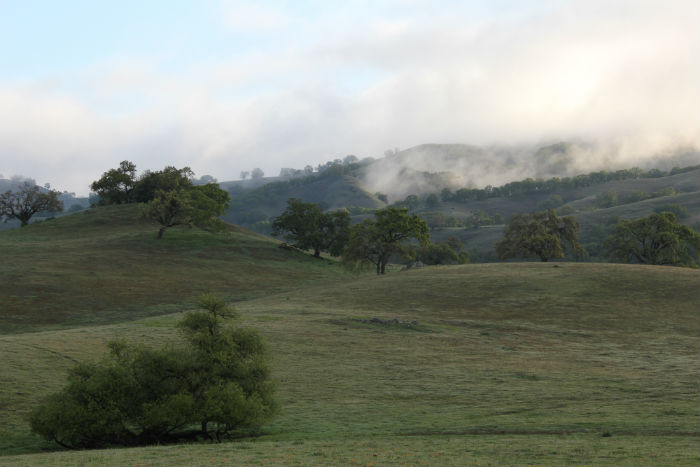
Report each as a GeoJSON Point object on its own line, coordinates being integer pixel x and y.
{"type": "Point", "coordinates": [214, 384]}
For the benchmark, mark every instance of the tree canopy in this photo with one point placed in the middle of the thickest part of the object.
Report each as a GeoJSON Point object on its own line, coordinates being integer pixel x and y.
{"type": "Point", "coordinates": [657, 239]}
{"type": "Point", "coordinates": [27, 201]}
{"type": "Point", "coordinates": [116, 185]}
{"type": "Point", "coordinates": [308, 227]}
{"type": "Point", "coordinates": [197, 206]}
{"type": "Point", "coordinates": [542, 234]}
{"type": "Point", "coordinates": [214, 383]}
{"type": "Point", "coordinates": [375, 241]}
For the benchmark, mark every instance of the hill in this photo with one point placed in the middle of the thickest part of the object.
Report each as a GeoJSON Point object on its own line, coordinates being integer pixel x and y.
{"type": "Point", "coordinates": [105, 265]}
{"type": "Point", "coordinates": [491, 364]}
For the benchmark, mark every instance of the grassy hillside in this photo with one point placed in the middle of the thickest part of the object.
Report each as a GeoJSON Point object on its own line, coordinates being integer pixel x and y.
{"type": "Point", "coordinates": [104, 265]}
{"type": "Point", "coordinates": [525, 364]}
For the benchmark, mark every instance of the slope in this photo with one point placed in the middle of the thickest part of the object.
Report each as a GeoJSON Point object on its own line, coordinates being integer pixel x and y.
{"type": "Point", "coordinates": [104, 265]}
{"type": "Point", "coordinates": [518, 364]}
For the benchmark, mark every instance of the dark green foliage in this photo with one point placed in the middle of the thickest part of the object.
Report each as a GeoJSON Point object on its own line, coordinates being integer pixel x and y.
{"type": "Point", "coordinates": [607, 199]}
{"type": "Point", "coordinates": [375, 241]}
{"type": "Point", "coordinates": [554, 201]}
{"type": "Point", "coordinates": [680, 211]}
{"type": "Point", "coordinates": [168, 179]}
{"type": "Point", "coordinates": [449, 252]}
{"type": "Point", "coordinates": [27, 201]}
{"type": "Point", "coordinates": [542, 234]}
{"type": "Point", "coordinates": [432, 201]}
{"type": "Point", "coordinates": [308, 227]}
{"type": "Point", "coordinates": [481, 218]}
{"type": "Point", "coordinates": [657, 239]}
{"type": "Point", "coordinates": [214, 384]}
{"type": "Point", "coordinates": [116, 185]}
{"type": "Point", "coordinates": [193, 205]}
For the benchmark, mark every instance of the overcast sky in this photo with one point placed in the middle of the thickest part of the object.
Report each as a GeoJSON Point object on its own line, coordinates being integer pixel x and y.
{"type": "Point", "coordinates": [225, 86]}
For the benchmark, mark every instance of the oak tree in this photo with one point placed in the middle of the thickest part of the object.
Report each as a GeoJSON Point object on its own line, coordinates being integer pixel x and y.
{"type": "Point", "coordinates": [27, 201]}
{"type": "Point", "coordinates": [542, 234]}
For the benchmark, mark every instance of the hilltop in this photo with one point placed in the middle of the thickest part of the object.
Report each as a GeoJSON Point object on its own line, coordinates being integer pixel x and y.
{"type": "Point", "coordinates": [105, 264]}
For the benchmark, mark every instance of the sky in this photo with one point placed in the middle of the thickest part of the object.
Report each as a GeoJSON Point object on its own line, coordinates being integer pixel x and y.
{"type": "Point", "coordinates": [226, 86]}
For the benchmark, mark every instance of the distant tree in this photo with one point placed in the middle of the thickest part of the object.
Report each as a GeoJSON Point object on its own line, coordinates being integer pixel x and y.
{"type": "Point", "coordinates": [257, 173]}
{"type": "Point", "coordinates": [27, 201]}
{"type": "Point", "coordinates": [542, 234]}
{"type": "Point", "coordinates": [204, 179]}
{"type": "Point", "coordinates": [657, 239]}
{"type": "Point", "coordinates": [308, 170]}
{"type": "Point", "coordinates": [432, 200]}
{"type": "Point", "coordinates": [197, 206]}
{"type": "Point", "coordinates": [168, 179]}
{"type": "Point", "coordinates": [350, 159]}
{"type": "Point", "coordinates": [217, 380]}
{"type": "Point", "coordinates": [445, 253]}
{"type": "Point", "coordinates": [244, 174]}
{"type": "Point", "coordinates": [116, 185]}
{"type": "Point", "coordinates": [607, 199]}
{"type": "Point", "coordinates": [375, 241]}
{"type": "Point", "coordinates": [411, 202]}
{"type": "Point", "coordinates": [308, 227]}
{"type": "Point", "coordinates": [382, 197]}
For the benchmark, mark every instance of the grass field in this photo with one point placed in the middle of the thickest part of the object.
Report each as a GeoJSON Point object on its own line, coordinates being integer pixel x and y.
{"type": "Point", "coordinates": [509, 364]}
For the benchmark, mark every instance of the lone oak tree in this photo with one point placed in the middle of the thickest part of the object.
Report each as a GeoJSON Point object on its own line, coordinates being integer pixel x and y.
{"type": "Point", "coordinates": [541, 234]}
{"type": "Point", "coordinates": [307, 227]}
{"type": "Point", "coordinates": [194, 205]}
{"type": "Point", "coordinates": [375, 241]}
{"type": "Point", "coordinates": [657, 239]}
{"type": "Point", "coordinates": [27, 201]}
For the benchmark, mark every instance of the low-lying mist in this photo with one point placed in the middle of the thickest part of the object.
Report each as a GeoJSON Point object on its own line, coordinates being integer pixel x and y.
{"type": "Point", "coordinates": [422, 168]}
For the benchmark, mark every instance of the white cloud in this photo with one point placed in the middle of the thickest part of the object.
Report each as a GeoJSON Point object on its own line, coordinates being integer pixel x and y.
{"type": "Point", "coordinates": [357, 81]}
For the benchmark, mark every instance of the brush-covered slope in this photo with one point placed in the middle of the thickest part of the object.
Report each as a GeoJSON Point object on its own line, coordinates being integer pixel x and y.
{"type": "Point", "coordinates": [106, 264]}
{"type": "Point", "coordinates": [331, 189]}
{"type": "Point", "coordinates": [508, 364]}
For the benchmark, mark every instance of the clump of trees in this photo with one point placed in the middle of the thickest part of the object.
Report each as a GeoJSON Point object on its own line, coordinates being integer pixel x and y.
{"type": "Point", "coordinates": [449, 252]}
{"type": "Point", "coordinates": [28, 200]}
{"type": "Point", "coordinates": [657, 239]}
{"type": "Point", "coordinates": [374, 241]}
{"type": "Point", "coordinates": [211, 385]}
{"type": "Point", "coordinates": [542, 234]}
{"type": "Point", "coordinates": [170, 198]}
{"type": "Point", "coordinates": [306, 226]}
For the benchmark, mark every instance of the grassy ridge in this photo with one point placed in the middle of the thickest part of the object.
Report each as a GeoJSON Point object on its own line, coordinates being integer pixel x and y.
{"type": "Point", "coordinates": [105, 265]}
{"type": "Point", "coordinates": [510, 364]}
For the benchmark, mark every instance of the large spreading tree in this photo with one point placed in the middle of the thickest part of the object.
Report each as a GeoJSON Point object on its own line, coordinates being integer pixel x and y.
{"type": "Point", "coordinates": [542, 234]}
{"type": "Point", "coordinates": [198, 206]}
{"type": "Point", "coordinates": [28, 200]}
{"type": "Point", "coordinates": [306, 226]}
{"type": "Point", "coordinates": [376, 240]}
{"type": "Point", "coordinates": [657, 239]}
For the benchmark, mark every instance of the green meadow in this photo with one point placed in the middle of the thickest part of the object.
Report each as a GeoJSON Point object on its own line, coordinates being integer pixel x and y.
{"type": "Point", "coordinates": [482, 364]}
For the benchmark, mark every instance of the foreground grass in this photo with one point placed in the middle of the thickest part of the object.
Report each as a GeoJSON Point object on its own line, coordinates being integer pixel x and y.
{"type": "Point", "coordinates": [526, 364]}
{"type": "Point", "coordinates": [447, 450]}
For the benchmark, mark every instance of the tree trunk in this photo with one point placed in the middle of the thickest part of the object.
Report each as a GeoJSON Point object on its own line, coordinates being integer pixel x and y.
{"type": "Point", "coordinates": [161, 232]}
{"type": "Point", "coordinates": [378, 267]}
{"type": "Point", "coordinates": [317, 251]}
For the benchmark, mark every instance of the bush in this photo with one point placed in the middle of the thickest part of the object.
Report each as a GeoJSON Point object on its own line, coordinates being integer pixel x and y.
{"type": "Point", "coordinates": [214, 384]}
